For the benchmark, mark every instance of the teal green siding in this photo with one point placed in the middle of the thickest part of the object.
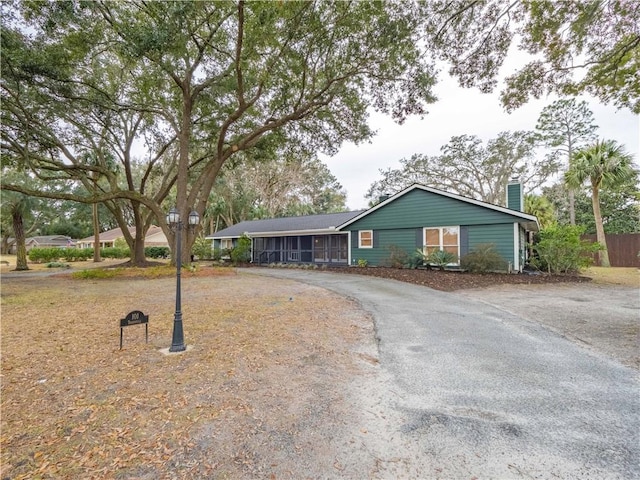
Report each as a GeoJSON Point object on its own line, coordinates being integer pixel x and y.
{"type": "Point", "coordinates": [418, 208]}
{"type": "Point", "coordinates": [383, 239]}
{"type": "Point", "coordinates": [514, 196]}
{"type": "Point", "coordinates": [500, 235]}
{"type": "Point", "coordinates": [396, 224]}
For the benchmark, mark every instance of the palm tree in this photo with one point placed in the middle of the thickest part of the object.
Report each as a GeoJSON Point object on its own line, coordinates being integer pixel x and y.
{"type": "Point", "coordinates": [604, 163]}
{"type": "Point", "coordinates": [541, 207]}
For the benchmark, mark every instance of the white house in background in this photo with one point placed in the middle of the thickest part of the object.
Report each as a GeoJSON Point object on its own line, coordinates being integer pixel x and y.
{"type": "Point", "coordinates": [155, 238]}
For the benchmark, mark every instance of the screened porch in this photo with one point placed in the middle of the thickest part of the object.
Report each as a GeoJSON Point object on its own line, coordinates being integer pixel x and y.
{"type": "Point", "coordinates": [317, 249]}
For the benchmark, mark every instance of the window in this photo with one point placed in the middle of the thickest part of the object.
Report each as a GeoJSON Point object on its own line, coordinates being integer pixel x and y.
{"type": "Point", "coordinates": [365, 239]}
{"type": "Point", "coordinates": [226, 244]}
{"type": "Point", "coordinates": [442, 238]}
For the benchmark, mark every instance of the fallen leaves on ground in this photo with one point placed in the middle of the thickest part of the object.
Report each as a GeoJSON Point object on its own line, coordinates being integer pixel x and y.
{"type": "Point", "coordinates": [264, 381]}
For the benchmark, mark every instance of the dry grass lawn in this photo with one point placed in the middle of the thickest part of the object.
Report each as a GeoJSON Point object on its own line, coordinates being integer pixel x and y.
{"type": "Point", "coordinates": [629, 277]}
{"type": "Point", "coordinates": [270, 363]}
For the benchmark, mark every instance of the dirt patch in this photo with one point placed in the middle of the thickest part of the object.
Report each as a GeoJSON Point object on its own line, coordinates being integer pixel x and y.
{"type": "Point", "coordinates": [602, 318]}
{"type": "Point", "coordinates": [262, 394]}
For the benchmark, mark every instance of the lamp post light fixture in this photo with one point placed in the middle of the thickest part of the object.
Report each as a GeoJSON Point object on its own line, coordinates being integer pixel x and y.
{"type": "Point", "coordinates": [174, 221]}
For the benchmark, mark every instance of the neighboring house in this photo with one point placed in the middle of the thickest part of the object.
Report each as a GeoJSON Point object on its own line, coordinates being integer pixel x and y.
{"type": "Point", "coordinates": [417, 217]}
{"type": "Point", "coordinates": [155, 238]}
{"type": "Point", "coordinates": [45, 241]}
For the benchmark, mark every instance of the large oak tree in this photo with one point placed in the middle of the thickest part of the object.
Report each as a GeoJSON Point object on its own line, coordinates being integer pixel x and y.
{"type": "Point", "coordinates": [220, 77]}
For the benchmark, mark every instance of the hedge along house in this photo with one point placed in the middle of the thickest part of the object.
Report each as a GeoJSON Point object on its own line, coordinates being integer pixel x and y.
{"type": "Point", "coordinates": [418, 217]}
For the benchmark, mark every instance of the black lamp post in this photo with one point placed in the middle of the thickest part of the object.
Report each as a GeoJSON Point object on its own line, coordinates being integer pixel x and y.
{"type": "Point", "coordinates": [173, 219]}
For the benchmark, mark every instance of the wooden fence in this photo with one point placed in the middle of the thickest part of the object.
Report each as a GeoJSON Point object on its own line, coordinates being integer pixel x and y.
{"type": "Point", "coordinates": [623, 249]}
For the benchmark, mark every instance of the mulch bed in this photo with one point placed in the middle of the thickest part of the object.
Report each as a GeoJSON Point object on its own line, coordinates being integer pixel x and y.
{"type": "Point", "coordinates": [449, 281]}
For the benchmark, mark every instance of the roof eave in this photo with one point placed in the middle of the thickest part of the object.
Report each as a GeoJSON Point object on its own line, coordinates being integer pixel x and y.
{"type": "Point", "coordinates": [317, 231]}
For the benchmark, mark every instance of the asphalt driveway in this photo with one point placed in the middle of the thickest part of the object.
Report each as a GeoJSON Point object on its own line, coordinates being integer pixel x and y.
{"type": "Point", "coordinates": [465, 389]}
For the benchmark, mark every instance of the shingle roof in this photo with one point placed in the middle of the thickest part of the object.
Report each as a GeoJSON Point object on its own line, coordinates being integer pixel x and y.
{"type": "Point", "coordinates": [304, 223]}
{"type": "Point", "coordinates": [115, 233]}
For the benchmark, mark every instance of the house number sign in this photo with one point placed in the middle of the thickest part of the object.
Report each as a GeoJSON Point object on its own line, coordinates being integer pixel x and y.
{"type": "Point", "coordinates": [135, 318]}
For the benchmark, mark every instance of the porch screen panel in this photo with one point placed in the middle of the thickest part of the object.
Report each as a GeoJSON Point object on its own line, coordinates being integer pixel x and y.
{"type": "Point", "coordinates": [339, 247]}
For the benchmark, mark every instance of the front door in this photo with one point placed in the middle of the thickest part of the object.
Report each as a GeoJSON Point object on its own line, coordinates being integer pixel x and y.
{"type": "Point", "coordinates": [320, 249]}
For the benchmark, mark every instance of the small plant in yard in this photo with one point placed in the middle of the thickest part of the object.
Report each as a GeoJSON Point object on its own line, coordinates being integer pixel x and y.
{"type": "Point", "coordinates": [57, 265]}
{"type": "Point", "coordinates": [96, 273]}
{"type": "Point", "coordinates": [362, 262]}
{"type": "Point", "coordinates": [441, 258]}
{"type": "Point", "coordinates": [483, 258]}
{"type": "Point", "coordinates": [418, 259]}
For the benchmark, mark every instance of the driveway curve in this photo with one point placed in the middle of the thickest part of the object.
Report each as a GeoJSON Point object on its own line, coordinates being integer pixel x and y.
{"type": "Point", "coordinates": [464, 390]}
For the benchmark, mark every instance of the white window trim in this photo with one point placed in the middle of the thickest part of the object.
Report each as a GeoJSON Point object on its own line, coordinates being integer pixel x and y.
{"type": "Point", "coordinates": [360, 232]}
{"type": "Point", "coordinates": [441, 238]}
{"type": "Point", "coordinates": [224, 242]}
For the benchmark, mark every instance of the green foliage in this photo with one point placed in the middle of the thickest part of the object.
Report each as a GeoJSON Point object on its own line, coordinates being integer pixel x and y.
{"type": "Point", "coordinates": [77, 254]}
{"type": "Point", "coordinates": [157, 252]}
{"type": "Point", "coordinates": [362, 263]}
{"type": "Point", "coordinates": [603, 164]}
{"type": "Point", "coordinates": [441, 258]}
{"type": "Point", "coordinates": [57, 265]}
{"type": "Point", "coordinates": [97, 273]}
{"type": "Point", "coordinates": [202, 248]}
{"type": "Point", "coordinates": [542, 208]}
{"type": "Point", "coordinates": [598, 40]}
{"type": "Point", "coordinates": [114, 252]}
{"type": "Point", "coordinates": [45, 255]}
{"type": "Point", "coordinates": [417, 259]}
{"type": "Point", "coordinates": [120, 243]}
{"type": "Point", "coordinates": [241, 253]}
{"type": "Point", "coordinates": [483, 258]}
{"type": "Point", "coordinates": [558, 249]}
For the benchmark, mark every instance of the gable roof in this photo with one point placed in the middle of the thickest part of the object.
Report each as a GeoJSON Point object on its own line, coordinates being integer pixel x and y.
{"type": "Point", "coordinates": [115, 233]}
{"type": "Point", "coordinates": [307, 224]}
{"type": "Point", "coordinates": [529, 221]}
{"type": "Point", "coordinates": [53, 240]}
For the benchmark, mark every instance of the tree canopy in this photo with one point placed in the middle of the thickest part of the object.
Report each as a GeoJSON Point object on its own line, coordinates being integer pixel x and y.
{"type": "Point", "coordinates": [197, 82]}
{"type": "Point", "coordinates": [590, 46]}
{"type": "Point", "coordinates": [471, 169]}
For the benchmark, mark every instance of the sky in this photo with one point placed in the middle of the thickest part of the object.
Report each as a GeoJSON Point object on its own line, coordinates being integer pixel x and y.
{"type": "Point", "coordinates": [458, 111]}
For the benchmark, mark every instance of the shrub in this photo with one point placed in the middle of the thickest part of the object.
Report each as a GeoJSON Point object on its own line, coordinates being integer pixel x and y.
{"type": "Point", "coordinates": [441, 258]}
{"type": "Point", "coordinates": [156, 252]}
{"type": "Point", "coordinates": [57, 265]}
{"type": "Point", "coordinates": [560, 250]}
{"type": "Point", "coordinates": [362, 262]}
{"type": "Point", "coordinates": [418, 259]}
{"type": "Point", "coordinates": [241, 253]}
{"type": "Point", "coordinates": [45, 255]}
{"type": "Point", "coordinates": [202, 248]}
{"type": "Point", "coordinates": [77, 254]}
{"type": "Point", "coordinates": [483, 258]}
{"type": "Point", "coordinates": [217, 254]}
{"type": "Point", "coordinates": [398, 257]}
{"type": "Point", "coordinates": [115, 252]}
